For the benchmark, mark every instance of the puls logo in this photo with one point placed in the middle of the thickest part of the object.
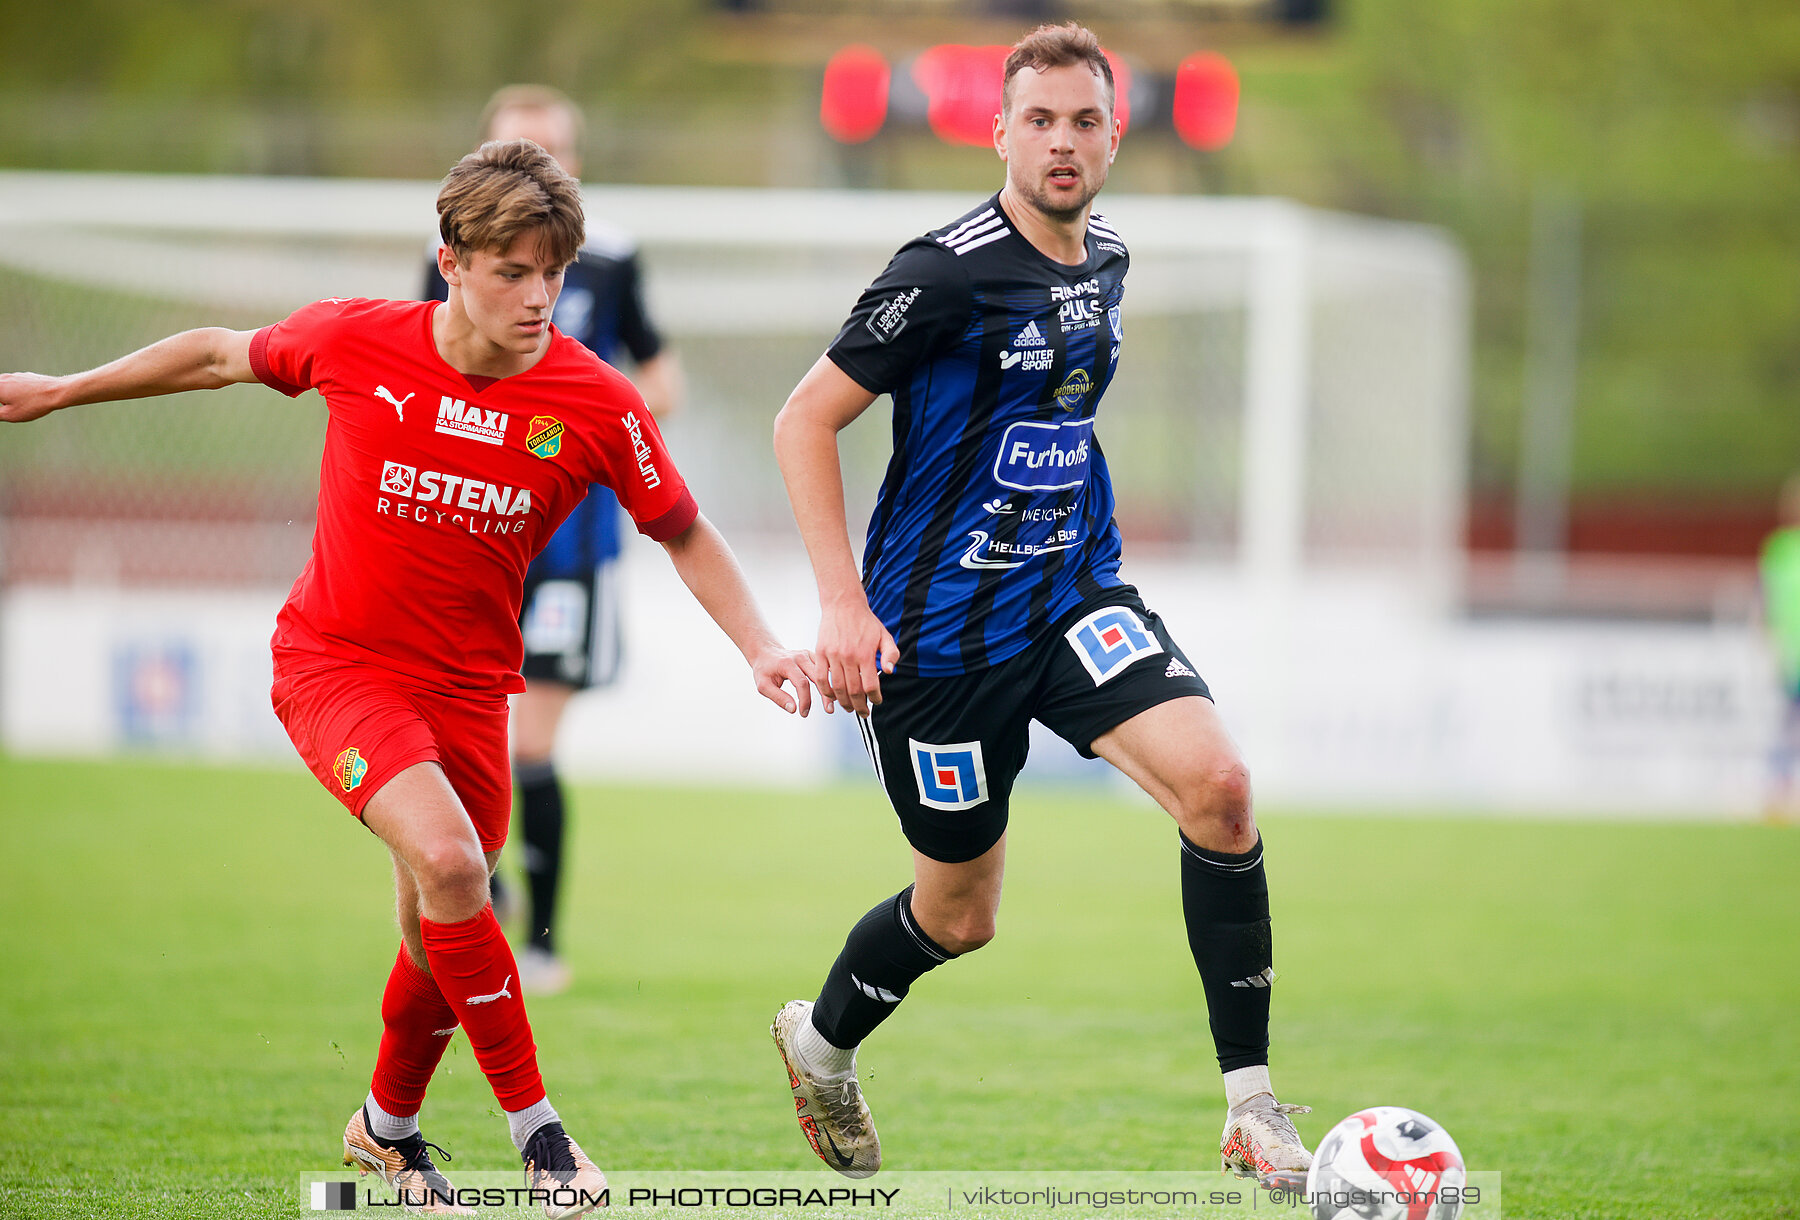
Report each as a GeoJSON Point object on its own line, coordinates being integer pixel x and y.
{"type": "Point", "coordinates": [950, 776]}
{"type": "Point", "coordinates": [1078, 315]}
{"type": "Point", "coordinates": [457, 418]}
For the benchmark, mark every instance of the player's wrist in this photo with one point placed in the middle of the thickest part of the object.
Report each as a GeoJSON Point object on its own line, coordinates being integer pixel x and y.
{"type": "Point", "coordinates": [848, 595]}
{"type": "Point", "coordinates": [60, 392]}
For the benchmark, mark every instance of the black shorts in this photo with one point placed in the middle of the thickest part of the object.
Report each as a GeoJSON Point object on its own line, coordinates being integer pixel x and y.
{"type": "Point", "coordinates": [571, 627]}
{"type": "Point", "coordinates": [948, 749]}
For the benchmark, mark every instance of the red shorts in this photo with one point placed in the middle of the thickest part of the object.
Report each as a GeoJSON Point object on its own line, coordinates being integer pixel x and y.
{"type": "Point", "coordinates": [358, 726]}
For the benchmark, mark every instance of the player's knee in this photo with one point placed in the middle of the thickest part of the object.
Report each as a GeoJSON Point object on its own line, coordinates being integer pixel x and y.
{"type": "Point", "coordinates": [452, 874]}
{"type": "Point", "coordinates": [966, 933]}
{"type": "Point", "coordinates": [1213, 803]}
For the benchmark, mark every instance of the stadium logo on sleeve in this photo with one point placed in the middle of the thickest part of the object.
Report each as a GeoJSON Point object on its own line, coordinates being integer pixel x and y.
{"type": "Point", "coordinates": [544, 437]}
{"type": "Point", "coordinates": [1109, 640]}
{"type": "Point", "coordinates": [350, 768]}
{"type": "Point", "coordinates": [950, 777]}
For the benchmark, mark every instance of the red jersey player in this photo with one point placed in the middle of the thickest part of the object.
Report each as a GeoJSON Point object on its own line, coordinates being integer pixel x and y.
{"type": "Point", "coordinates": [460, 436]}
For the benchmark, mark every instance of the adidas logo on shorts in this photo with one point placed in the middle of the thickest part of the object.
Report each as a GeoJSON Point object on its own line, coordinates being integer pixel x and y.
{"type": "Point", "coordinates": [1177, 670]}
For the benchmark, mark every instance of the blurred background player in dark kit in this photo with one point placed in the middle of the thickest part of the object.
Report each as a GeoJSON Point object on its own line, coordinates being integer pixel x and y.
{"type": "Point", "coordinates": [574, 633]}
{"type": "Point", "coordinates": [990, 596]}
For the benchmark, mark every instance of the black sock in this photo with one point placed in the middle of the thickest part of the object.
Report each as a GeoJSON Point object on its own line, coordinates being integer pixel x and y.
{"type": "Point", "coordinates": [1225, 900]}
{"type": "Point", "coordinates": [885, 952]}
{"type": "Point", "coordinates": [541, 815]}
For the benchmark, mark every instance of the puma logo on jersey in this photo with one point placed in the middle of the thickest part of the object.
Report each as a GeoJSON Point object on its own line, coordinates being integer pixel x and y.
{"type": "Point", "coordinates": [382, 391]}
{"type": "Point", "coordinates": [502, 994]}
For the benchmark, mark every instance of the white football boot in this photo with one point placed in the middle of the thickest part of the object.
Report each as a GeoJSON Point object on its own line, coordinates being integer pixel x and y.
{"type": "Point", "coordinates": [1260, 1142]}
{"type": "Point", "coordinates": [831, 1110]}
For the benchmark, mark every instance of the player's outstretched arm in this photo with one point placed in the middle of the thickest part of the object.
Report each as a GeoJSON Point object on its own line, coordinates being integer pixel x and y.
{"type": "Point", "coordinates": [204, 359]}
{"type": "Point", "coordinates": [854, 648]}
{"type": "Point", "coordinates": [711, 573]}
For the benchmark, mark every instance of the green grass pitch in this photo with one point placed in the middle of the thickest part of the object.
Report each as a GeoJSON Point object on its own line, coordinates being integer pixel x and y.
{"type": "Point", "coordinates": [1606, 1013]}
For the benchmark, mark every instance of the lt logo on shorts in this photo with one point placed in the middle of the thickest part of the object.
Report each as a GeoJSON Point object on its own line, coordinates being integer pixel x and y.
{"type": "Point", "coordinates": [950, 777]}
{"type": "Point", "coordinates": [1110, 639]}
{"type": "Point", "coordinates": [350, 768]}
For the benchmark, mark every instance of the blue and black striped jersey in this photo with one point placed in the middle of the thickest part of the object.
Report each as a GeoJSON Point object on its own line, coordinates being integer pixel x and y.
{"type": "Point", "coordinates": [602, 308]}
{"type": "Point", "coordinates": [996, 514]}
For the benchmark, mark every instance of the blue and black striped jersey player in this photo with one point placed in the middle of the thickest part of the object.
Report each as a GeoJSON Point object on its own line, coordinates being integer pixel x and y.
{"type": "Point", "coordinates": [989, 595]}
{"type": "Point", "coordinates": [570, 617]}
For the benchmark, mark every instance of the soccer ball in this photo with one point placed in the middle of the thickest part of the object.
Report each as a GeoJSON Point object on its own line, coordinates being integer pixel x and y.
{"type": "Point", "coordinates": [1386, 1163]}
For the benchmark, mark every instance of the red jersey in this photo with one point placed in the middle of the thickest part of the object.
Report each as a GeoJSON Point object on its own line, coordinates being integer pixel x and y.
{"type": "Point", "coordinates": [436, 488]}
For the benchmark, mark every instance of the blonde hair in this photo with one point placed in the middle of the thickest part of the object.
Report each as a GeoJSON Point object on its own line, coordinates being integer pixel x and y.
{"type": "Point", "coordinates": [507, 188]}
{"type": "Point", "coordinates": [1056, 46]}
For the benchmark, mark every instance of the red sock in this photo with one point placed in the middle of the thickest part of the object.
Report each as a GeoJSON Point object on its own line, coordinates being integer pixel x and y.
{"type": "Point", "coordinates": [474, 968]}
{"type": "Point", "coordinates": [417, 1025]}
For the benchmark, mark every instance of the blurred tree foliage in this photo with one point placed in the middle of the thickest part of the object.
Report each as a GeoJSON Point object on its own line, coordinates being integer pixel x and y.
{"type": "Point", "coordinates": [1675, 125]}
{"type": "Point", "coordinates": [1677, 128]}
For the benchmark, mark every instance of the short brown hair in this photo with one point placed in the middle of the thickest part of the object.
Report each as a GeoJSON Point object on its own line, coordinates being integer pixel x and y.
{"type": "Point", "coordinates": [1056, 46]}
{"type": "Point", "coordinates": [530, 97]}
{"type": "Point", "coordinates": [506, 188]}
